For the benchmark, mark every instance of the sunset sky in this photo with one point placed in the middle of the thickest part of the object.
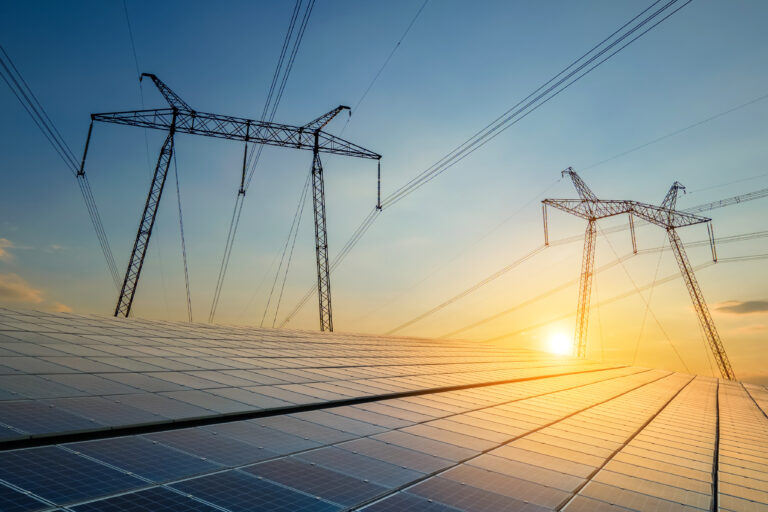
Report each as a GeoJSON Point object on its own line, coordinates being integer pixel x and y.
{"type": "Point", "coordinates": [460, 66]}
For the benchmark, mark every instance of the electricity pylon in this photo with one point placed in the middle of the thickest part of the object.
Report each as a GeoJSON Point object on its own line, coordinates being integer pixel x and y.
{"type": "Point", "coordinates": [589, 207]}
{"type": "Point", "coordinates": [181, 118]}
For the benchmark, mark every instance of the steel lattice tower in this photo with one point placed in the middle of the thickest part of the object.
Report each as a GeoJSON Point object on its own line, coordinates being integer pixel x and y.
{"type": "Point", "coordinates": [590, 208]}
{"type": "Point", "coordinates": [181, 118]}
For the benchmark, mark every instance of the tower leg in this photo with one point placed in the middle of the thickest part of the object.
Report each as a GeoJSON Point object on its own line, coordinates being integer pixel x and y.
{"type": "Point", "coordinates": [702, 311]}
{"type": "Point", "coordinates": [321, 243]}
{"type": "Point", "coordinates": [585, 290]}
{"type": "Point", "coordinates": [135, 264]}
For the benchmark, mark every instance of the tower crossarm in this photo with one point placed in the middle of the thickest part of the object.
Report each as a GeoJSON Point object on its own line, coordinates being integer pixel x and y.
{"type": "Point", "coordinates": [665, 217]}
{"type": "Point", "coordinates": [590, 209]}
{"type": "Point", "coordinates": [236, 128]}
{"type": "Point", "coordinates": [601, 208]}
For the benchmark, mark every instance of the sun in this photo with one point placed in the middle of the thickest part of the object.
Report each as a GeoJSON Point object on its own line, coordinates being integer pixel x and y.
{"type": "Point", "coordinates": [559, 343]}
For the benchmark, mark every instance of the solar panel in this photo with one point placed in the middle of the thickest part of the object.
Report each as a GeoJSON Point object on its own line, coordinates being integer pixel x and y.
{"type": "Point", "coordinates": [199, 417]}
{"type": "Point", "coordinates": [406, 502]}
{"type": "Point", "coordinates": [317, 481]}
{"type": "Point", "coordinates": [360, 466]}
{"type": "Point", "coordinates": [241, 492]}
{"type": "Point", "coordinates": [62, 476]}
{"type": "Point", "coordinates": [40, 418]}
{"type": "Point", "coordinates": [216, 448]}
{"type": "Point", "coordinates": [12, 500]}
{"type": "Point", "coordinates": [144, 458]}
{"type": "Point", "coordinates": [156, 499]}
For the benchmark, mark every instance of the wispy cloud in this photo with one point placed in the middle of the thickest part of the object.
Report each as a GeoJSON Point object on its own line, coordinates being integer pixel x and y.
{"type": "Point", "coordinates": [60, 308]}
{"type": "Point", "coordinates": [5, 246]}
{"type": "Point", "coordinates": [752, 328]}
{"type": "Point", "coordinates": [736, 307]}
{"type": "Point", "coordinates": [15, 289]}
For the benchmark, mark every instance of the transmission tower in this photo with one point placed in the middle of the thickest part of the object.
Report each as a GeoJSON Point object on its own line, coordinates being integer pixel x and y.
{"type": "Point", "coordinates": [589, 207]}
{"type": "Point", "coordinates": [181, 118]}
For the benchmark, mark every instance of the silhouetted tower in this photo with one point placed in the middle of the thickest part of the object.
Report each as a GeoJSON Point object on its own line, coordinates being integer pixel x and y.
{"type": "Point", "coordinates": [589, 207]}
{"type": "Point", "coordinates": [181, 118]}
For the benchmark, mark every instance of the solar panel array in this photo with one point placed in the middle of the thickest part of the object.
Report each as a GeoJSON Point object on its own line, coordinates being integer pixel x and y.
{"type": "Point", "coordinates": [104, 414]}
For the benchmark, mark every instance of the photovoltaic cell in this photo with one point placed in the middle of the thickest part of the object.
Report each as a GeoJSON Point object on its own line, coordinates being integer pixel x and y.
{"type": "Point", "coordinates": [61, 476]}
{"type": "Point", "coordinates": [317, 481]}
{"type": "Point", "coordinates": [156, 499]}
{"type": "Point", "coordinates": [241, 492]}
{"type": "Point", "coordinates": [402, 457]}
{"type": "Point", "coordinates": [406, 502]}
{"type": "Point", "coordinates": [145, 458]}
{"type": "Point", "coordinates": [8, 434]}
{"type": "Point", "coordinates": [12, 500]}
{"type": "Point", "coordinates": [39, 418]}
{"type": "Point", "coordinates": [667, 464]}
{"type": "Point", "coordinates": [253, 433]}
{"type": "Point", "coordinates": [305, 429]}
{"type": "Point", "coordinates": [360, 466]}
{"type": "Point", "coordinates": [104, 411]}
{"type": "Point", "coordinates": [217, 448]}
{"type": "Point", "coordinates": [467, 497]}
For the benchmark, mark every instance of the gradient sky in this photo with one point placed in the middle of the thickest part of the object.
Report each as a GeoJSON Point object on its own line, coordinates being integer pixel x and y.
{"type": "Point", "coordinates": [461, 65]}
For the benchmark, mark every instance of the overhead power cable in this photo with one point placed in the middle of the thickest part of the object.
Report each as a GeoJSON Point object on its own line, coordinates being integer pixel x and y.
{"type": "Point", "coordinates": [384, 65]}
{"type": "Point", "coordinates": [155, 248]}
{"type": "Point", "coordinates": [34, 108]}
{"type": "Point", "coordinates": [605, 302]}
{"type": "Point", "coordinates": [255, 153]}
{"type": "Point", "coordinates": [663, 248]}
{"type": "Point", "coordinates": [272, 101]}
{"type": "Point", "coordinates": [468, 291]}
{"type": "Point", "coordinates": [290, 254]}
{"type": "Point", "coordinates": [757, 194]}
{"type": "Point", "coordinates": [579, 68]}
{"type": "Point", "coordinates": [615, 298]}
{"type": "Point", "coordinates": [183, 242]}
{"type": "Point", "coordinates": [291, 236]}
{"type": "Point", "coordinates": [628, 33]}
{"type": "Point", "coordinates": [677, 132]}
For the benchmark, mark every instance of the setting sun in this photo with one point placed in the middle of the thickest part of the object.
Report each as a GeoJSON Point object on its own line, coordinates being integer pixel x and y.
{"type": "Point", "coordinates": [559, 343]}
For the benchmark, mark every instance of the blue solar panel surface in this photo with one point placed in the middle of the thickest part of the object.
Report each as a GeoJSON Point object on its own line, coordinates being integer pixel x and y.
{"type": "Point", "coordinates": [200, 418]}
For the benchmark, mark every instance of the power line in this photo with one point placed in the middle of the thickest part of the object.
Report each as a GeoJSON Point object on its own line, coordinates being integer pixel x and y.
{"type": "Point", "coordinates": [290, 255]}
{"type": "Point", "coordinates": [384, 65]}
{"type": "Point", "coordinates": [536, 99]}
{"type": "Point", "coordinates": [615, 298]}
{"type": "Point", "coordinates": [183, 242]}
{"type": "Point", "coordinates": [24, 94]}
{"type": "Point", "coordinates": [677, 132]}
{"type": "Point", "coordinates": [293, 229]}
{"type": "Point", "coordinates": [467, 291]}
{"type": "Point", "coordinates": [155, 248]}
{"type": "Point", "coordinates": [255, 154]}
{"type": "Point", "coordinates": [469, 246]}
{"type": "Point", "coordinates": [660, 249]}
{"type": "Point", "coordinates": [757, 194]}
{"type": "Point", "coordinates": [592, 59]}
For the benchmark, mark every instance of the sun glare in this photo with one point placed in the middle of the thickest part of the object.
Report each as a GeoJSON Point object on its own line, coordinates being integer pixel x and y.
{"type": "Point", "coordinates": [559, 343]}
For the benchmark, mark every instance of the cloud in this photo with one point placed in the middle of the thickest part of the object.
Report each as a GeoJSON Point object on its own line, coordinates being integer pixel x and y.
{"type": "Point", "coordinates": [15, 289]}
{"type": "Point", "coordinates": [5, 245]}
{"type": "Point", "coordinates": [744, 308]}
{"type": "Point", "coordinates": [752, 328]}
{"type": "Point", "coordinates": [58, 307]}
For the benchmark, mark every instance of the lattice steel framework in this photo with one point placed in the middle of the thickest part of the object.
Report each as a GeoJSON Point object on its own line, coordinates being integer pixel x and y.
{"type": "Point", "coordinates": [590, 208]}
{"type": "Point", "coordinates": [321, 245]}
{"type": "Point", "coordinates": [181, 118]}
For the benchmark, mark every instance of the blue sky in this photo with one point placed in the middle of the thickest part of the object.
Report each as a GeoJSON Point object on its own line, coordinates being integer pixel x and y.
{"type": "Point", "coordinates": [461, 65]}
